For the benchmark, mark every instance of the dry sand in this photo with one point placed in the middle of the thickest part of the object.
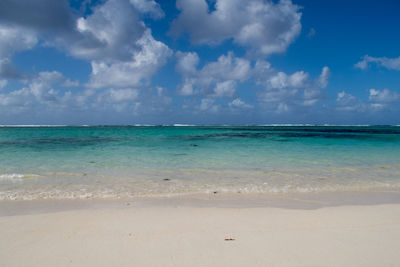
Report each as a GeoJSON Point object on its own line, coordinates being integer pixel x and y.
{"type": "Point", "coordinates": [129, 234]}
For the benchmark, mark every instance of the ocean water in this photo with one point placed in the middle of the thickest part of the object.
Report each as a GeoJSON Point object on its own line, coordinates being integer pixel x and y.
{"type": "Point", "coordinates": [128, 161]}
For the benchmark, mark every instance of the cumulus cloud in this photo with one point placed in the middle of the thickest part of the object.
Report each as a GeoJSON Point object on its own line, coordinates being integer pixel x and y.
{"type": "Point", "coordinates": [13, 39]}
{"type": "Point", "coordinates": [112, 37]}
{"type": "Point", "coordinates": [122, 51]}
{"type": "Point", "coordinates": [282, 91]}
{"type": "Point", "coordinates": [220, 79]}
{"type": "Point", "coordinates": [217, 79]}
{"type": "Point", "coordinates": [262, 26]}
{"type": "Point", "coordinates": [116, 99]}
{"type": "Point", "coordinates": [110, 33]}
{"type": "Point", "coordinates": [324, 77]}
{"type": "Point", "coordinates": [119, 95]}
{"type": "Point", "coordinates": [239, 104]}
{"type": "Point", "coordinates": [126, 54]}
{"type": "Point", "coordinates": [142, 65]}
{"type": "Point", "coordinates": [150, 7]}
{"type": "Point", "coordinates": [377, 100]}
{"type": "Point", "coordinates": [41, 90]}
{"type": "Point", "coordinates": [225, 89]}
{"type": "Point", "coordinates": [45, 93]}
{"type": "Point", "coordinates": [281, 80]}
{"type": "Point", "coordinates": [207, 105]}
{"type": "Point", "coordinates": [348, 102]}
{"type": "Point", "coordinates": [187, 63]}
{"type": "Point", "coordinates": [389, 63]}
{"type": "Point", "coordinates": [382, 98]}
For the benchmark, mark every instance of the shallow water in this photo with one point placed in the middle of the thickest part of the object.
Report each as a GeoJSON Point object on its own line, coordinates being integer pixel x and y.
{"type": "Point", "coordinates": [112, 162]}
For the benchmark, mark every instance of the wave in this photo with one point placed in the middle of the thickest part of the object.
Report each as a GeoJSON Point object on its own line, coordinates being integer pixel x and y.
{"type": "Point", "coordinates": [182, 125]}
{"type": "Point", "coordinates": [11, 176]}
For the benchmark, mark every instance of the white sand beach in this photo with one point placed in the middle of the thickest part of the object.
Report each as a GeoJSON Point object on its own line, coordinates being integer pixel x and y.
{"type": "Point", "coordinates": [129, 234]}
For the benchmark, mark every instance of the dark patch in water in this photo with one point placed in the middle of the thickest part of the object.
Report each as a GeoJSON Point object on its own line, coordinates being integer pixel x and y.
{"type": "Point", "coordinates": [324, 129]}
{"type": "Point", "coordinates": [286, 135]}
{"type": "Point", "coordinates": [60, 140]}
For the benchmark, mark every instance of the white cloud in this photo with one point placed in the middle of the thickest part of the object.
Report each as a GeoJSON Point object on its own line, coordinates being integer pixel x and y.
{"type": "Point", "coordinates": [187, 63]}
{"type": "Point", "coordinates": [112, 36]}
{"type": "Point", "coordinates": [225, 89]}
{"type": "Point", "coordinates": [261, 71]}
{"type": "Point", "coordinates": [277, 96]}
{"type": "Point", "coordinates": [281, 80]}
{"type": "Point", "coordinates": [110, 33]}
{"type": "Point", "coordinates": [41, 86]}
{"type": "Point", "coordinates": [323, 78]}
{"type": "Point", "coordinates": [187, 88]}
{"type": "Point", "coordinates": [40, 91]}
{"type": "Point", "coordinates": [389, 63]}
{"type": "Point", "coordinates": [239, 104]}
{"type": "Point", "coordinates": [122, 51]}
{"type": "Point", "coordinates": [262, 26]}
{"type": "Point", "coordinates": [207, 105]}
{"type": "Point", "coordinates": [116, 99]}
{"type": "Point", "coordinates": [377, 100]}
{"type": "Point", "coordinates": [148, 7]}
{"type": "Point", "coordinates": [382, 98]}
{"type": "Point", "coordinates": [44, 94]}
{"type": "Point", "coordinates": [283, 92]}
{"type": "Point", "coordinates": [13, 39]}
{"type": "Point", "coordinates": [3, 84]}
{"type": "Point", "coordinates": [348, 102]}
{"type": "Point", "coordinates": [70, 83]}
{"type": "Point", "coordinates": [143, 64]}
{"type": "Point", "coordinates": [216, 78]}
{"type": "Point", "coordinates": [120, 95]}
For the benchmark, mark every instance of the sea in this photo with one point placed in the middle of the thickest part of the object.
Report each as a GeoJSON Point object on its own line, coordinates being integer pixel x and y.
{"type": "Point", "coordinates": [97, 162]}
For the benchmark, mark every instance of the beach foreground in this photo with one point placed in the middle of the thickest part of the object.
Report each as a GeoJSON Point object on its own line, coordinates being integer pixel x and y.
{"type": "Point", "coordinates": [125, 233]}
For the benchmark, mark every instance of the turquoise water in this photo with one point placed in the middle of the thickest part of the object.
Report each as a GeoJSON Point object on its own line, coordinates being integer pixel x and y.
{"type": "Point", "coordinates": [112, 162]}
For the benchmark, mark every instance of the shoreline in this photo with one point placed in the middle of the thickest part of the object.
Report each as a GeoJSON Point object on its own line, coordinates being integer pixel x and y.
{"type": "Point", "coordinates": [300, 201]}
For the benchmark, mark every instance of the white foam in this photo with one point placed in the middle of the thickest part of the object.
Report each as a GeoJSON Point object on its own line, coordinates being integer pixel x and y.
{"type": "Point", "coordinates": [11, 176]}
{"type": "Point", "coordinates": [182, 125]}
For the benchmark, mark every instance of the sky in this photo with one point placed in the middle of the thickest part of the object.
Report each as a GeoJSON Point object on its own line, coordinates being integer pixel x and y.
{"type": "Point", "coordinates": [199, 62]}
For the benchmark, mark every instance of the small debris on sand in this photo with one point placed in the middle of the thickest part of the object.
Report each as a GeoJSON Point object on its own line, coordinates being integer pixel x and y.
{"type": "Point", "coordinates": [215, 192]}
{"type": "Point", "coordinates": [229, 239]}
{"type": "Point", "coordinates": [166, 179]}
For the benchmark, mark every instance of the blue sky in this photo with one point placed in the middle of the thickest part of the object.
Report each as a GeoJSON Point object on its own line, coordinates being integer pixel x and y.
{"type": "Point", "coordinates": [199, 62]}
